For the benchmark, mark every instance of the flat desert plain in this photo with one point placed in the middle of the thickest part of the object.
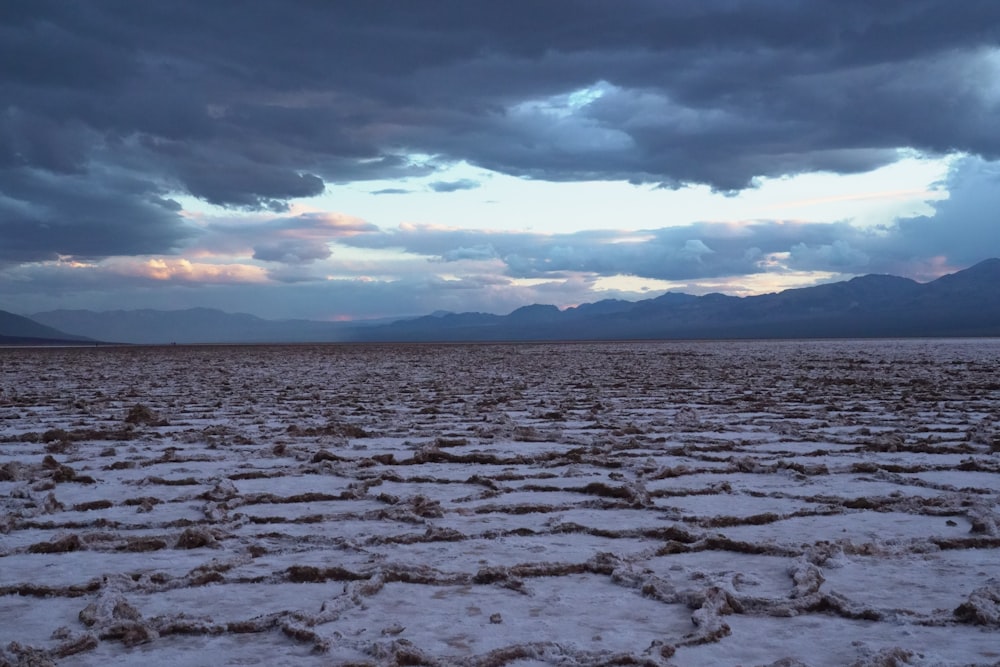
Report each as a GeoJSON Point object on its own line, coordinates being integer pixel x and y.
{"type": "Point", "coordinates": [679, 503]}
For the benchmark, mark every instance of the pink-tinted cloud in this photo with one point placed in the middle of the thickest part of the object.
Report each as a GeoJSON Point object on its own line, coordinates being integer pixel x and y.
{"type": "Point", "coordinates": [295, 239]}
{"type": "Point", "coordinates": [184, 271]}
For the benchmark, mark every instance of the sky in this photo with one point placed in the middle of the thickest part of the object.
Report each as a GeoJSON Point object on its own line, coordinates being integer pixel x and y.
{"type": "Point", "coordinates": [367, 159]}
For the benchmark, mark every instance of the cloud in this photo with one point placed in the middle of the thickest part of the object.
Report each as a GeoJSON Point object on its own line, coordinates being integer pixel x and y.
{"type": "Point", "coordinates": [45, 214]}
{"type": "Point", "coordinates": [965, 224]}
{"type": "Point", "coordinates": [185, 271]}
{"type": "Point", "coordinates": [296, 239]}
{"type": "Point", "coordinates": [699, 250]}
{"type": "Point", "coordinates": [209, 100]}
{"type": "Point", "coordinates": [838, 256]}
{"type": "Point", "coordinates": [292, 251]}
{"type": "Point", "coordinates": [450, 268]}
{"type": "Point", "coordinates": [240, 184]}
{"type": "Point", "coordinates": [390, 191]}
{"type": "Point", "coordinates": [65, 280]}
{"type": "Point", "coordinates": [322, 225]}
{"type": "Point", "coordinates": [481, 252]}
{"type": "Point", "coordinates": [454, 186]}
{"type": "Point", "coordinates": [963, 229]}
{"type": "Point", "coordinates": [113, 112]}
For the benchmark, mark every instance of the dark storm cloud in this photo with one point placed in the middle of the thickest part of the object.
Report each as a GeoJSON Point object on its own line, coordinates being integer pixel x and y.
{"type": "Point", "coordinates": [250, 106]}
{"type": "Point", "coordinates": [44, 215]}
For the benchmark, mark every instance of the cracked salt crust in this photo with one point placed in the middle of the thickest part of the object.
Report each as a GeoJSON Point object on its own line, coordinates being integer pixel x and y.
{"type": "Point", "coordinates": [830, 502]}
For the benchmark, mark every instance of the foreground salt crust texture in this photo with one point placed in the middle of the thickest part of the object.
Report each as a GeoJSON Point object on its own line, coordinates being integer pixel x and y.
{"type": "Point", "coordinates": [773, 503]}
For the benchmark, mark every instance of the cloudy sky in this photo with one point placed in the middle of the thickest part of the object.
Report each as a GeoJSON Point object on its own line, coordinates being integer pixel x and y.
{"type": "Point", "coordinates": [368, 158]}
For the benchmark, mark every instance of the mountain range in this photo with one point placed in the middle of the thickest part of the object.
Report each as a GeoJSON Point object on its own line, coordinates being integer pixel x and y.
{"type": "Point", "coordinates": [965, 303]}
{"type": "Point", "coordinates": [192, 326]}
{"type": "Point", "coordinates": [19, 330]}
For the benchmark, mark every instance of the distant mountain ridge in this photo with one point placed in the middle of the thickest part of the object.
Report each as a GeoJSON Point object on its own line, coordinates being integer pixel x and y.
{"type": "Point", "coordinates": [19, 330]}
{"type": "Point", "coordinates": [194, 325]}
{"type": "Point", "coordinates": [965, 303]}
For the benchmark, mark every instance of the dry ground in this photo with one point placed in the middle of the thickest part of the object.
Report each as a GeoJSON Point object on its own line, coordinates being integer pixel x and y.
{"type": "Point", "coordinates": [770, 503]}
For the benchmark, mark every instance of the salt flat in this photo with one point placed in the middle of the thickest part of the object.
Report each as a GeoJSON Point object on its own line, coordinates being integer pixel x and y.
{"type": "Point", "coordinates": [677, 503]}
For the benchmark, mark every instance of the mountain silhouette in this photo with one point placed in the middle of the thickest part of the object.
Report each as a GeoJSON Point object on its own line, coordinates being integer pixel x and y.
{"type": "Point", "coordinates": [965, 303]}
{"type": "Point", "coordinates": [192, 325]}
{"type": "Point", "coordinates": [20, 330]}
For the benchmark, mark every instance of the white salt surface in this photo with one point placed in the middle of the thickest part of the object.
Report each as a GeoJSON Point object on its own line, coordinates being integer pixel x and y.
{"type": "Point", "coordinates": [458, 618]}
{"type": "Point", "coordinates": [857, 526]}
{"type": "Point", "coordinates": [265, 650]}
{"type": "Point", "coordinates": [821, 641]}
{"type": "Point", "coordinates": [742, 503]}
{"type": "Point", "coordinates": [921, 585]}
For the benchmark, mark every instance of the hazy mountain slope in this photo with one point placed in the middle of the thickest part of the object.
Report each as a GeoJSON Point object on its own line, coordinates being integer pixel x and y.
{"type": "Point", "coordinates": [195, 325]}
{"type": "Point", "coordinates": [20, 330]}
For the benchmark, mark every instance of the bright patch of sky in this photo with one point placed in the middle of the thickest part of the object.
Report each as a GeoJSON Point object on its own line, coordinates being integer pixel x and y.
{"type": "Point", "coordinates": [504, 202]}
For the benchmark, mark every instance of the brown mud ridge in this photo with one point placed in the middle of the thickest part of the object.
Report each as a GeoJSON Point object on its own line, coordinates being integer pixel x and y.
{"type": "Point", "coordinates": [676, 499]}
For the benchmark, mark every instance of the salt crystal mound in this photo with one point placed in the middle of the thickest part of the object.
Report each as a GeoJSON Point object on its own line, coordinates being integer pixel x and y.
{"type": "Point", "coordinates": [756, 503]}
